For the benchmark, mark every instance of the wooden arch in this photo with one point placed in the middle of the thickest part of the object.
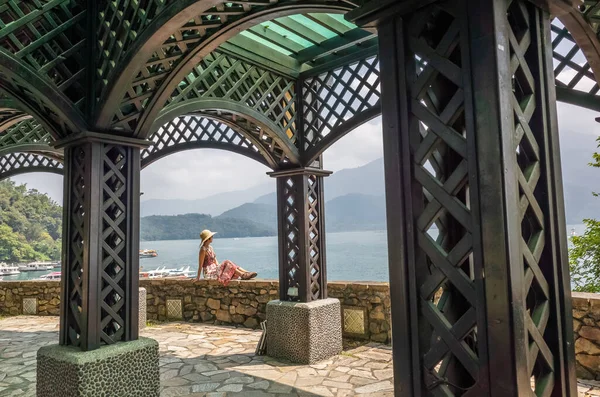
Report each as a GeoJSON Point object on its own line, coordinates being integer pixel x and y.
{"type": "Point", "coordinates": [139, 94]}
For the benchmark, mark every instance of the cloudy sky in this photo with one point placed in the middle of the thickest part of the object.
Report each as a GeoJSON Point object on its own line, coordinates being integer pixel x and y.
{"type": "Point", "coordinates": [201, 173]}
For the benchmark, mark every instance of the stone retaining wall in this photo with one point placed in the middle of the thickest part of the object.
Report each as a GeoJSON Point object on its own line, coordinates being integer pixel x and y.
{"type": "Point", "coordinates": [586, 324]}
{"type": "Point", "coordinates": [365, 306]}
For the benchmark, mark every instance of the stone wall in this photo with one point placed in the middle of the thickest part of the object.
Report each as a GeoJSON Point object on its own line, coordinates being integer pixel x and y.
{"type": "Point", "coordinates": [586, 324]}
{"type": "Point", "coordinates": [15, 296]}
{"type": "Point", "coordinates": [366, 306]}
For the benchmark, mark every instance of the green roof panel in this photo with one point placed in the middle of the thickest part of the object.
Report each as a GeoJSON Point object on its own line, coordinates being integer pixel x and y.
{"type": "Point", "coordinates": [306, 39]}
{"type": "Point", "coordinates": [312, 25]}
{"type": "Point", "coordinates": [288, 34]}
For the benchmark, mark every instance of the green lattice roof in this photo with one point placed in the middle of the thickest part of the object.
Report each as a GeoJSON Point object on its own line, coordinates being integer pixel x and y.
{"type": "Point", "coordinates": [297, 43]}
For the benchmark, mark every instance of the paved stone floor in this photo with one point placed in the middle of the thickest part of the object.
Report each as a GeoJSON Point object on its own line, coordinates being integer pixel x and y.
{"type": "Point", "coordinates": [212, 361]}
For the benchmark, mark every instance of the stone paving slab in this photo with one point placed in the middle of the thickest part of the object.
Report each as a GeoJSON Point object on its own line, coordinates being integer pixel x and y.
{"type": "Point", "coordinates": [214, 361]}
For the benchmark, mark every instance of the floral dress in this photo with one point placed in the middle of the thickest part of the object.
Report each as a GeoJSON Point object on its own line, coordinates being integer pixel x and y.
{"type": "Point", "coordinates": [213, 270]}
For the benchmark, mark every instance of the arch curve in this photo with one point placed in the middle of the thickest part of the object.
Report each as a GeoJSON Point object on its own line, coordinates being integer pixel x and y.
{"type": "Point", "coordinates": [37, 97]}
{"type": "Point", "coordinates": [17, 163]}
{"type": "Point", "coordinates": [182, 133]}
{"type": "Point", "coordinates": [158, 77]}
{"type": "Point", "coordinates": [273, 143]}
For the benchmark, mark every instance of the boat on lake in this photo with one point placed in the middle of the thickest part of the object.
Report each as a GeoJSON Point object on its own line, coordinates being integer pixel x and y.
{"type": "Point", "coordinates": [148, 254]}
{"type": "Point", "coordinates": [164, 272]}
{"type": "Point", "coordinates": [51, 276]}
{"type": "Point", "coordinates": [183, 271]}
{"type": "Point", "coordinates": [36, 266]}
{"type": "Point", "coordinates": [8, 270]}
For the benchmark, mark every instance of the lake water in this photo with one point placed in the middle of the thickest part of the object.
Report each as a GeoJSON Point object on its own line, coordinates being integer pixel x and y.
{"type": "Point", "coordinates": [351, 256]}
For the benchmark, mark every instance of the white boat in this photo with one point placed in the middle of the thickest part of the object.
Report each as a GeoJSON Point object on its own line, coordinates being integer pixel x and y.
{"type": "Point", "coordinates": [148, 253]}
{"type": "Point", "coordinates": [183, 271]}
{"type": "Point", "coordinates": [36, 266]}
{"type": "Point", "coordinates": [51, 276]}
{"type": "Point", "coordinates": [163, 272]}
{"type": "Point", "coordinates": [156, 273]}
{"type": "Point", "coordinates": [8, 270]}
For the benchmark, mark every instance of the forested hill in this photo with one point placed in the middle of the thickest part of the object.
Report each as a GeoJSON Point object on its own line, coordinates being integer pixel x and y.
{"type": "Point", "coordinates": [189, 226]}
{"type": "Point", "coordinates": [30, 224]}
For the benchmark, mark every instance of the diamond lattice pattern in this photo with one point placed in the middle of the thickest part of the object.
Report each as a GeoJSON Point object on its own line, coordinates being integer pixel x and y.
{"type": "Point", "coordinates": [114, 229]}
{"type": "Point", "coordinates": [119, 24]}
{"type": "Point", "coordinates": [540, 361]}
{"type": "Point", "coordinates": [195, 131]}
{"type": "Point", "coordinates": [50, 37]}
{"type": "Point", "coordinates": [444, 265]}
{"type": "Point", "coordinates": [334, 97]}
{"type": "Point", "coordinates": [571, 68]}
{"type": "Point", "coordinates": [183, 39]}
{"type": "Point", "coordinates": [74, 282]}
{"type": "Point", "coordinates": [314, 235]}
{"type": "Point", "coordinates": [291, 232]}
{"type": "Point", "coordinates": [21, 132]}
{"type": "Point", "coordinates": [33, 161]}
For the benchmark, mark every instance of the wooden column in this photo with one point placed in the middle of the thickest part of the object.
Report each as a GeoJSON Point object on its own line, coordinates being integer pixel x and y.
{"type": "Point", "coordinates": [301, 224]}
{"type": "Point", "coordinates": [476, 230]}
{"type": "Point", "coordinates": [100, 270]}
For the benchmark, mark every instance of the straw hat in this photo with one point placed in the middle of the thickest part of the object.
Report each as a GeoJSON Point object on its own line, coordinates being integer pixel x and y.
{"type": "Point", "coordinates": [205, 235]}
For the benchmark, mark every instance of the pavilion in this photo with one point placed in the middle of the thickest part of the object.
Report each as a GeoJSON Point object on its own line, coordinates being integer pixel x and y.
{"type": "Point", "coordinates": [96, 90]}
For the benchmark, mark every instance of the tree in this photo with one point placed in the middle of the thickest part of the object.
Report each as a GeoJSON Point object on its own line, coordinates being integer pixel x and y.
{"type": "Point", "coordinates": [584, 255]}
{"type": "Point", "coordinates": [14, 247]}
{"type": "Point", "coordinates": [31, 224]}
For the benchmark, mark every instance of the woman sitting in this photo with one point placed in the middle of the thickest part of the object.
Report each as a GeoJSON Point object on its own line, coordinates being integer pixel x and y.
{"type": "Point", "coordinates": [213, 270]}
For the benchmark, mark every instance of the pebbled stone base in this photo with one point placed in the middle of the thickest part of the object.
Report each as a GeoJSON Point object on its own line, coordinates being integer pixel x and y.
{"type": "Point", "coordinates": [122, 369]}
{"type": "Point", "coordinates": [304, 333]}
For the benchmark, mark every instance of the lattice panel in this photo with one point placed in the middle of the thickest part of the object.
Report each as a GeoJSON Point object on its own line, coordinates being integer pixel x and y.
{"type": "Point", "coordinates": [528, 136]}
{"type": "Point", "coordinates": [174, 309]}
{"type": "Point", "coordinates": [291, 232]}
{"type": "Point", "coordinates": [334, 97]}
{"type": "Point", "coordinates": [193, 131]}
{"type": "Point", "coordinates": [74, 322]}
{"type": "Point", "coordinates": [50, 37]}
{"type": "Point", "coordinates": [17, 162]}
{"type": "Point", "coordinates": [114, 233]}
{"type": "Point", "coordinates": [314, 207]}
{"type": "Point", "coordinates": [438, 142]}
{"type": "Point", "coordinates": [26, 131]}
{"type": "Point", "coordinates": [571, 69]}
{"type": "Point", "coordinates": [119, 24]}
{"type": "Point", "coordinates": [225, 77]}
{"type": "Point", "coordinates": [266, 140]}
{"type": "Point", "coordinates": [150, 76]}
{"type": "Point", "coordinates": [30, 306]}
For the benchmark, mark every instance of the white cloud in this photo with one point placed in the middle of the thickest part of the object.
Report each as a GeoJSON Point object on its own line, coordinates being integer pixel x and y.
{"type": "Point", "coordinates": [203, 172]}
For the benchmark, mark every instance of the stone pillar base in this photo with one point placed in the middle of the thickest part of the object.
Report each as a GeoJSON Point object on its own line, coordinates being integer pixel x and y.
{"type": "Point", "coordinates": [142, 309]}
{"type": "Point", "coordinates": [122, 369]}
{"type": "Point", "coordinates": [304, 333]}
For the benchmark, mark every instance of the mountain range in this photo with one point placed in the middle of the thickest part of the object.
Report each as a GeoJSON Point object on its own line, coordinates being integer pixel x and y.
{"type": "Point", "coordinates": [355, 198]}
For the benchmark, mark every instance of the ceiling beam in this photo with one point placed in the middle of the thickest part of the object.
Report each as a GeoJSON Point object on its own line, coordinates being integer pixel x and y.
{"type": "Point", "coordinates": [276, 62]}
{"type": "Point", "coordinates": [273, 37]}
{"type": "Point", "coordinates": [329, 23]}
{"type": "Point", "coordinates": [335, 44]}
{"type": "Point", "coordinates": [331, 62]}
{"type": "Point", "coordinates": [299, 29]}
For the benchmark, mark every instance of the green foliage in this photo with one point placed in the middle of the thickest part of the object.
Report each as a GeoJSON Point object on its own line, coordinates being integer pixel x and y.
{"type": "Point", "coordinates": [584, 258]}
{"type": "Point", "coordinates": [584, 255]}
{"type": "Point", "coordinates": [30, 224]}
